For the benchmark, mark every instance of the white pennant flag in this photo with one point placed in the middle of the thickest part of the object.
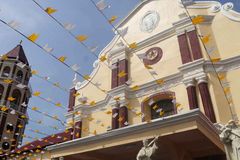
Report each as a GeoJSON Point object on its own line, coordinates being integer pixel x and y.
{"type": "Point", "coordinates": [151, 102]}
{"type": "Point", "coordinates": [142, 56]}
{"type": "Point", "coordinates": [113, 66]}
{"type": "Point", "coordinates": [21, 86]}
{"type": "Point", "coordinates": [14, 24]}
{"type": "Point", "coordinates": [115, 115]}
{"type": "Point", "coordinates": [98, 121]}
{"type": "Point", "coordinates": [69, 26]}
{"type": "Point", "coordinates": [21, 65]}
{"type": "Point", "coordinates": [153, 72]}
{"type": "Point", "coordinates": [75, 67]}
{"type": "Point", "coordinates": [48, 49]}
{"type": "Point", "coordinates": [129, 82]}
{"type": "Point", "coordinates": [126, 123]}
{"type": "Point", "coordinates": [93, 49]}
{"type": "Point", "coordinates": [13, 112]}
{"type": "Point", "coordinates": [123, 31]}
{"type": "Point", "coordinates": [101, 5]}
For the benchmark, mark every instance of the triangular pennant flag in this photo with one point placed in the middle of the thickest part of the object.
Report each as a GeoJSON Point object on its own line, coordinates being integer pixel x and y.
{"type": "Point", "coordinates": [221, 76]}
{"type": "Point", "coordinates": [135, 88]}
{"type": "Point", "coordinates": [103, 58]}
{"type": "Point", "coordinates": [7, 81]}
{"type": "Point", "coordinates": [50, 10]}
{"type": "Point", "coordinates": [62, 59]}
{"type": "Point", "coordinates": [151, 102]}
{"type": "Point", "coordinates": [197, 20]}
{"type": "Point", "coordinates": [14, 24]}
{"type": "Point", "coordinates": [75, 67]}
{"type": "Point", "coordinates": [13, 112]}
{"type": "Point", "coordinates": [109, 112]}
{"type": "Point", "coordinates": [11, 99]}
{"type": "Point", "coordinates": [123, 31]}
{"type": "Point", "coordinates": [160, 81]}
{"type": "Point", "coordinates": [34, 72]}
{"type": "Point", "coordinates": [93, 103]}
{"type": "Point", "coordinates": [69, 26]}
{"type": "Point", "coordinates": [114, 115]}
{"type": "Point", "coordinates": [33, 37]}
{"type": "Point", "coordinates": [161, 113]}
{"type": "Point", "coordinates": [133, 45]}
{"type": "Point", "coordinates": [112, 19]}
{"type": "Point", "coordinates": [47, 48]}
{"type": "Point", "coordinates": [58, 104]}
{"type": "Point", "coordinates": [122, 74]}
{"type": "Point", "coordinates": [86, 77]}
{"type": "Point", "coordinates": [81, 38]}
{"type": "Point", "coordinates": [37, 93]}
{"type": "Point", "coordinates": [101, 5]}
{"type": "Point", "coordinates": [206, 39]}
{"type": "Point", "coordinates": [21, 65]}
{"type": "Point", "coordinates": [93, 49]}
{"type": "Point", "coordinates": [4, 108]}
{"type": "Point", "coordinates": [155, 107]}
{"type": "Point", "coordinates": [4, 57]}
{"type": "Point", "coordinates": [215, 60]}
{"type": "Point", "coordinates": [148, 67]}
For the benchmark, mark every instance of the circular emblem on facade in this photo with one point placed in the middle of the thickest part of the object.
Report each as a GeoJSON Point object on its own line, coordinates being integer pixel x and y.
{"type": "Point", "coordinates": [153, 56]}
{"type": "Point", "coordinates": [149, 21]}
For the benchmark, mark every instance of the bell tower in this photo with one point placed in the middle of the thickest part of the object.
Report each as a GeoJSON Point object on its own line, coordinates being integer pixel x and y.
{"type": "Point", "coordinates": [15, 92]}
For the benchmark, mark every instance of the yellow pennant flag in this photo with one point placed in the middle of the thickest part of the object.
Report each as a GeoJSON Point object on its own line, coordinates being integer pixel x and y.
{"type": "Point", "coordinates": [62, 58]}
{"type": "Point", "coordinates": [206, 39]}
{"type": "Point", "coordinates": [155, 107]}
{"type": "Point", "coordinates": [4, 108]}
{"type": "Point", "coordinates": [112, 19]}
{"type": "Point", "coordinates": [33, 37]}
{"type": "Point", "coordinates": [38, 151]}
{"type": "Point", "coordinates": [76, 94]}
{"type": "Point", "coordinates": [160, 81]}
{"type": "Point", "coordinates": [86, 77]}
{"type": "Point", "coordinates": [4, 57]}
{"type": "Point", "coordinates": [95, 132]}
{"type": "Point", "coordinates": [93, 103]}
{"type": "Point", "coordinates": [198, 20]}
{"type": "Point", "coordinates": [23, 116]}
{"type": "Point", "coordinates": [221, 76]}
{"type": "Point", "coordinates": [50, 10]}
{"type": "Point", "coordinates": [148, 67]}
{"type": "Point", "coordinates": [178, 105]}
{"type": "Point", "coordinates": [133, 45]}
{"type": "Point", "coordinates": [116, 98]}
{"type": "Point", "coordinates": [215, 60]}
{"type": "Point", "coordinates": [135, 88]}
{"type": "Point", "coordinates": [7, 81]}
{"type": "Point", "coordinates": [227, 90]}
{"type": "Point", "coordinates": [109, 112]}
{"type": "Point", "coordinates": [161, 113]}
{"type": "Point", "coordinates": [81, 38]}
{"type": "Point", "coordinates": [35, 109]}
{"type": "Point", "coordinates": [34, 72]}
{"type": "Point", "coordinates": [120, 119]}
{"type": "Point", "coordinates": [11, 99]}
{"type": "Point", "coordinates": [90, 119]}
{"type": "Point", "coordinates": [58, 104]}
{"type": "Point", "coordinates": [20, 126]}
{"type": "Point", "coordinates": [37, 93]}
{"type": "Point", "coordinates": [122, 74]}
{"type": "Point", "coordinates": [103, 58]}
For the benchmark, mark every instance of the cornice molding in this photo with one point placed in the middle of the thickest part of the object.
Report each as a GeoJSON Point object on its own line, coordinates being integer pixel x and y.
{"type": "Point", "coordinates": [226, 9]}
{"type": "Point", "coordinates": [189, 72]}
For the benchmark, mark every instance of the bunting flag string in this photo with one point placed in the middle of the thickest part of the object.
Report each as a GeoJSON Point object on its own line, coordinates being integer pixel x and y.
{"type": "Point", "coordinates": [49, 100]}
{"type": "Point", "coordinates": [40, 122]}
{"type": "Point", "coordinates": [55, 117]}
{"type": "Point", "coordinates": [47, 79]}
{"type": "Point", "coordinates": [56, 58]}
{"type": "Point", "coordinates": [204, 40]}
{"type": "Point", "coordinates": [80, 38]}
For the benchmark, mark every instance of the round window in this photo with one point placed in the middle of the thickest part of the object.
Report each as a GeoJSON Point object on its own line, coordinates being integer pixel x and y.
{"type": "Point", "coordinates": [5, 145]}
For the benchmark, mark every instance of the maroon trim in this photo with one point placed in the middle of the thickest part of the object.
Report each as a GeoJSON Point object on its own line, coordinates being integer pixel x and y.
{"type": "Point", "coordinates": [78, 130]}
{"type": "Point", "coordinates": [115, 76]}
{"type": "Point", "coordinates": [123, 115]}
{"type": "Point", "coordinates": [115, 123]}
{"type": "Point", "coordinates": [195, 45]}
{"type": "Point", "coordinates": [123, 66]}
{"type": "Point", "coordinates": [207, 102]}
{"type": "Point", "coordinates": [184, 48]}
{"type": "Point", "coordinates": [192, 97]}
{"type": "Point", "coordinates": [71, 102]}
{"type": "Point", "coordinates": [49, 140]}
{"type": "Point", "coordinates": [156, 59]}
{"type": "Point", "coordinates": [157, 97]}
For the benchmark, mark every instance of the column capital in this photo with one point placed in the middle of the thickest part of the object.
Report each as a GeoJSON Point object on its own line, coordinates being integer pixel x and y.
{"type": "Point", "coordinates": [189, 82]}
{"type": "Point", "coordinates": [203, 79]}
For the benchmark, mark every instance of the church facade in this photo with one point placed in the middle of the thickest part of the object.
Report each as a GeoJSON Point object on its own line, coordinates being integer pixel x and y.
{"type": "Point", "coordinates": [164, 75]}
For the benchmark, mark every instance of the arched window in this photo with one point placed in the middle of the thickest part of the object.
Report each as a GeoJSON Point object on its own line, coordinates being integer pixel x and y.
{"type": "Point", "coordinates": [162, 108]}
{"type": "Point", "coordinates": [6, 71]}
{"type": "Point", "coordinates": [17, 95]}
{"type": "Point", "coordinates": [1, 91]}
{"type": "Point", "coordinates": [19, 76]}
{"type": "Point", "coordinates": [159, 105]}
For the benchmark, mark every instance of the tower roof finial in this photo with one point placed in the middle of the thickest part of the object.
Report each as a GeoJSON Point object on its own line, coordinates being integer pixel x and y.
{"type": "Point", "coordinates": [20, 42]}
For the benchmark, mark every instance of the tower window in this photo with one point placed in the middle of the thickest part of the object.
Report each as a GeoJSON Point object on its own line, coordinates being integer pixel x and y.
{"type": "Point", "coordinates": [10, 127]}
{"type": "Point", "coordinates": [6, 72]}
{"type": "Point", "coordinates": [5, 145]}
{"type": "Point", "coordinates": [19, 76]}
{"type": "Point", "coordinates": [17, 95]}
{"type": "Point", "coordinates": [162, 108]}
{"type": "Point", "coordinates": [1, 91]}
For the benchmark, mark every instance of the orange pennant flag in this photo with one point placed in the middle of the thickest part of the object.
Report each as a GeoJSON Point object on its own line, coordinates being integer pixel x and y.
{"type": "Point", "coordinates": [198, 20]}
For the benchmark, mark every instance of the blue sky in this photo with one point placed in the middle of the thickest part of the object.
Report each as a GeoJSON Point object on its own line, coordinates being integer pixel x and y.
{"type": "Point", "coordinates": [33, 20]}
